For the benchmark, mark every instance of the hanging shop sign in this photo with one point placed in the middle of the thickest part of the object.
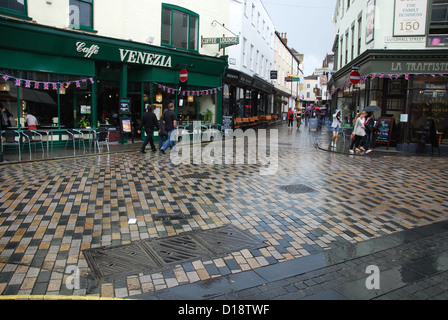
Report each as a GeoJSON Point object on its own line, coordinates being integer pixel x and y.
{"type": "Point", "coordinates": [223, 41]}
{"type": "Point", "coordinates": [410, 17]}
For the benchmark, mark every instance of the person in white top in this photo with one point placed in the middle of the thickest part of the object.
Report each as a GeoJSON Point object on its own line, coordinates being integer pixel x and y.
{"type": "Point", "coordinates": [31, 121]}
{"type": "Point", "coordinates": [359, 132]}
{"type": "Point", "coordinates": [336, 127]}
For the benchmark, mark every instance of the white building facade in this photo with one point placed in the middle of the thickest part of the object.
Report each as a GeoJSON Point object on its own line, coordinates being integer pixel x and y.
{"type": "Point", "coordinates": [248, 90]}
{"type": "Point", "coordinates": [289, 76]}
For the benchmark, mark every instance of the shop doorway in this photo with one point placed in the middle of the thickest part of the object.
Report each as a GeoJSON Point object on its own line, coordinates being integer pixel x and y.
{"type": "Point", "coordinates": [82, 109]}
{"type": "Point", "coordinates": [137, 109]}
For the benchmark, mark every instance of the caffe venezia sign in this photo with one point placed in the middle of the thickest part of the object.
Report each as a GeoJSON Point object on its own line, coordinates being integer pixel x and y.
{"type": "Point", "coordinates": [125, 55]}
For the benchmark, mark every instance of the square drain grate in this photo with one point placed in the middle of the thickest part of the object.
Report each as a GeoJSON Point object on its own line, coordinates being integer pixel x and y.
{"type": "Point", "coordinates": [197, 176]}
{"type": "Point", "coordinates": [297, 189]}
{"type": "Point", "coordinates": [154, 255]}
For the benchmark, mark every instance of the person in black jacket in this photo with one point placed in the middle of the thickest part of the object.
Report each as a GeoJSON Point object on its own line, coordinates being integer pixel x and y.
{"type": "Point", "coordinates": [370, 130]}
{"type": "Point", "coordinates": [170, 120]}
{"type": "Point", "coordinates": [149, 122]}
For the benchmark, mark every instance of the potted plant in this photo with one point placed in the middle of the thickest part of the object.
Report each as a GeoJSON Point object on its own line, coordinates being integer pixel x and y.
{"type": "Point", "coordinates": [84, 123]}
{"type": "Point", "coordinates": [208, 116]}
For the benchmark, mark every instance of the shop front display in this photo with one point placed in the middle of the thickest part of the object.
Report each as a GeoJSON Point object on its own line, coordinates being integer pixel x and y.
{"type": "Point", "coordinates": [69, 79]}
{"type": "Point", "coordinates": [410, 88]}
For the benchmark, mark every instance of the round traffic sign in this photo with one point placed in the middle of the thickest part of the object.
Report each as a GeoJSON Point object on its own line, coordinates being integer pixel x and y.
{"type": "Point", "coordinates": [183, 75]}
{"type": "Point", "coordinates": [355, 77]}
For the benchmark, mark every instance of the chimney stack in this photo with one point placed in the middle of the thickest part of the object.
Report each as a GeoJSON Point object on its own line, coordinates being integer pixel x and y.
{"type": "Point", "coordinates": [284, 37]}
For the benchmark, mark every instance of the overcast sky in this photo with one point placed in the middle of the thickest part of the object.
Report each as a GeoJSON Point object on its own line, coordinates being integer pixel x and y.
{"type": "Point", "coordinates": [309, 27]}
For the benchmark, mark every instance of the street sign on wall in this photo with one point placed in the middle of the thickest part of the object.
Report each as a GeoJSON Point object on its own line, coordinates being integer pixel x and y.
{"type": "Point", "coordinates": [355, 77]}
{"type": "Point", "coordinates": [183, 76]}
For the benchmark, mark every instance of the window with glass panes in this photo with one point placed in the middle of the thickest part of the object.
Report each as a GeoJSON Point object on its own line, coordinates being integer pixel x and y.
{"type": "Point", "coordinates": [180, 28]}
{"type": "Point", "coordinates": [81, 14]}
{"type": "Point", "coordinates": [438, 26]}
{"type": "Point", "coordinates": [14, 8]}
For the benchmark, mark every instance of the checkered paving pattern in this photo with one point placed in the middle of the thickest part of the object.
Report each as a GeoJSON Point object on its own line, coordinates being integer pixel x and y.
{"type": "Point", "coordinates": [51, 211]}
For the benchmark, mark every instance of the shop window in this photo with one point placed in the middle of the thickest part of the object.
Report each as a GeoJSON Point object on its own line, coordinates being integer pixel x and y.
{"type": "Point", "coordinates": [81, 14]}
{"type": "Point", "coordinates": [429, 99]}
{"type": "Point", "coordinates": [55, 100]}
{"type": "Point", "coordinates": [438, 27]}
{"type": "Point", "coordinates": [16, 8]}
{"type": "Point", "coordinates": [180, 28]}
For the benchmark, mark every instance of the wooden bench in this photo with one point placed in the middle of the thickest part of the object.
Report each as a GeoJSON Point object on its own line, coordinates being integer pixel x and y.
{"type": "Point", "coordinates": [238, 123]}
{"type": "Point", "coordinates": [246, 122]}
{"type": "Point", "coordinates": [254, 121]}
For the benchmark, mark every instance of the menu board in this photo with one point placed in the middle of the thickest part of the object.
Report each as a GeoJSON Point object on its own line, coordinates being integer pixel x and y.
{"type": "Point", "coordinates": [227, 123]}
{"type": "Point", "coordinates": [384, 133]}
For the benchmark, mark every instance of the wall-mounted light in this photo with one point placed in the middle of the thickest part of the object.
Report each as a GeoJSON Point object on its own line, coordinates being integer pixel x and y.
{"type": "Point", "coordinates": [159, 97]}
{"type": "Point", "coordinates": [190, 98]}
{"type": "Point", "coordinates": [4, 87]}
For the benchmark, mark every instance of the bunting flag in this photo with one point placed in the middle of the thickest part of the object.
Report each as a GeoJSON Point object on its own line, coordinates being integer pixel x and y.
{"type": "Point", "coordinates": [196, 93]}
{"type": "Point", "coordinates": [28, 83]}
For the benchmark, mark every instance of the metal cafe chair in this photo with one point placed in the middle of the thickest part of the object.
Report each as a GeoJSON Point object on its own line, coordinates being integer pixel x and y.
{"type": "Point", "coordinates": [75, 136]}
{"type": "Point", "coordinates": [33, 138]}
{"type": "Point", "coordinates": [10, 140]}
{"type": "Point", "coordinates": [102, 138]}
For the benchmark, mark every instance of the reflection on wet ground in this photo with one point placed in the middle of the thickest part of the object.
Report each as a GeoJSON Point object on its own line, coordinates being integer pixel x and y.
{"type": "Point", "coordinates": [53, 210]}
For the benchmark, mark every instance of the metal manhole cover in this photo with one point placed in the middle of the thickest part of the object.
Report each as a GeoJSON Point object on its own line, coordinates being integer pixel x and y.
{"type": "Point", "coordinates": [297, 189]}
{"type": "Point", "coordinates": [228, 239]}
{"type": "Point", "coordinates": [177, 249]}
{"type": "Point", "coordinates": [130, 259]}
{"type": "Point", "coordinates": [154, 255]}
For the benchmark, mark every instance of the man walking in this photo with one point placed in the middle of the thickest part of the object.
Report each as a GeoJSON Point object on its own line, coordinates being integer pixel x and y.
{"type": "Point", "coordinates": [5, 117]}
{"type": "Point", "coordinates": [149, 122]}
{"type": "Point", "coordinates": [170, 120]}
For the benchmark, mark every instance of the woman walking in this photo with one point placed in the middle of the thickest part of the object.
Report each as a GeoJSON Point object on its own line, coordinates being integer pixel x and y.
{"type": "Point", "coordinates": [299, 119]}
{"type": "Point", "coordinates": [359, 132]}
{"type": "Point", "coordinates": [336, 127]}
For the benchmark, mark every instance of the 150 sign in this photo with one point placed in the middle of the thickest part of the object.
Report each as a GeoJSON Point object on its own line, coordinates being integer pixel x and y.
{"type": "Point", "coordinates": [410, 17]}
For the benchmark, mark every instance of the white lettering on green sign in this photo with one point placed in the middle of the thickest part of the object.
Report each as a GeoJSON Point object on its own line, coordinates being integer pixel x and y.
{"type": "Point", "coordinates": [146, 58]}
{"type": "Point", "coordinates": [222, 40]}
{"type": "Point", "coordinates": [87, 51]}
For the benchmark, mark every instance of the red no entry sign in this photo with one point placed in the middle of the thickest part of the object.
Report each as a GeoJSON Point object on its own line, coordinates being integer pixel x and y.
{"type": "Point", "coordinates": [355, 77]}
{"type": "Point", "coordinates": [183, 75]}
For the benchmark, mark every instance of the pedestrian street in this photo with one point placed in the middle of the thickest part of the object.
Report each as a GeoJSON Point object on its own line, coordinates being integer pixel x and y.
{"type": "Point", "coordinates": [53, 212]}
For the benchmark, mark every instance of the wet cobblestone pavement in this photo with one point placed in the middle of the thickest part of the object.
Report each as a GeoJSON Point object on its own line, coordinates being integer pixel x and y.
{"type": "Point", "coordinates": [51, 211]}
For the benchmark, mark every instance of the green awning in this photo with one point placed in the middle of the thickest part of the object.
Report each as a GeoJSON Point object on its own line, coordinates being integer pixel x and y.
{"type": "Point", "coordinates": [20, 60]}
